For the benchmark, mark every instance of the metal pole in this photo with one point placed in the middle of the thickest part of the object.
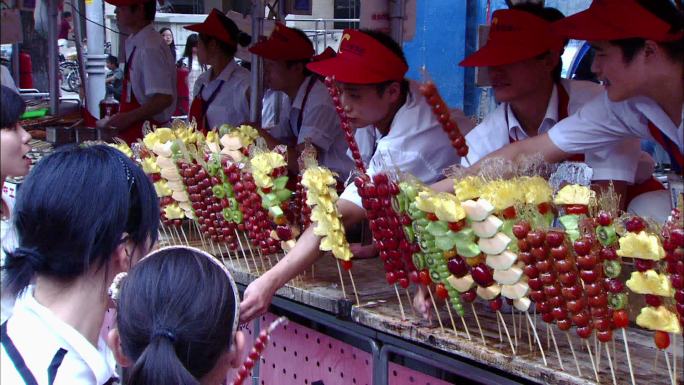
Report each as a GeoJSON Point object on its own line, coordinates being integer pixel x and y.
{"type": "Point", "coordinates": [53, 53]}
{"type": "Point", "coordinates": [256, 93]}
{"type": "Point", "coordinates": [397, 15]}
{"type": "Point", "coordinates": [16, 72]}
{"type": "Point", "coordinates": [95, 59]}
{"type": "Point", "coordinates": [78, 36]}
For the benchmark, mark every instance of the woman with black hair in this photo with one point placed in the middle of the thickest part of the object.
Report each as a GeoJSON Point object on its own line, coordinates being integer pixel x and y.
{"type": "Point", "coordinates": [13, 162]}
{"type": "Point", "coordinates": [84, 214]}
{"type": "Point", "coordinates": [191, 62]}
{"type": "Point", "coordinates": [222, 92]}
{"type": "Point", "coordinates": [167, 36]}
{"type": "Point", "coordinates": [177, 299]}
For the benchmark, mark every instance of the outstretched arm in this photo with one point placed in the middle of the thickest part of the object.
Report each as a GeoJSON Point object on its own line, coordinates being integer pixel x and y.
{"type": "Point", "coordinates": [259, 293]}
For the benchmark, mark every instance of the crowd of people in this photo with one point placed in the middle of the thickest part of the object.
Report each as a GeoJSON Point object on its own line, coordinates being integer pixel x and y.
{"type": "Point", "coordinates": [60, 256]}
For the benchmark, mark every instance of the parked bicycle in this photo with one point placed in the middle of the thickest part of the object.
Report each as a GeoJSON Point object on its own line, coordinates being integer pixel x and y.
{"type": "Point", "coordinates": [69, 75]}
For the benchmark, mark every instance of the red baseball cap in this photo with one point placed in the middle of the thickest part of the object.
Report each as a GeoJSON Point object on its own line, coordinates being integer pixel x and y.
{"type": "Point", "coordinates": [213, 26]}
{"type": "Point", "coordinates": [328, 53]}
{"type": "Point", "coordinates": [614, 20]}
{"type": "Point", "coordinates": [284, 44]}
{"type": "Point", "coordinates": [123, 3]}
{"type": "Point", "coordinates": [361, 60]}
{"type": "Point", "coordinates": [514, 35]}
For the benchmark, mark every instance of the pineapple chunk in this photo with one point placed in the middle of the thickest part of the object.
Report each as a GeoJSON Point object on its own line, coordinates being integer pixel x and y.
{"type": "Point", "coordinates": [650, 282]}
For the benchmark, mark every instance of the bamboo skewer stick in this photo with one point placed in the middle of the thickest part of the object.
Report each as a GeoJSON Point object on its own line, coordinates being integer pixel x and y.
{"type": "Point", "coordinates": [466, 329]}
{"type": "Point", "coordinates": [356, 292]}
{"type": "Point", "coordinates": [669, 368]}
{"type": "Point", "coordinates": [261, 259]}
{"type": "Point", "coordinates": [574, 356]}
{"type": "Point", "coordinates": [555, 346]}
{"type": "Point", "coordinates": [515, 328]}
{"type": "Point", "coordinates": [674, 358]}
{"type": "Point", "coordinates": [593, 364]}
{"type": "Point", "coordinates": [510, 341]}
{"type": "Point", "coordinates": [655, 362]}
{"type": "Point", "coordinates": [597, 349]}
{"type": "Point", "coordinates": [401, 305]}
{"type": "Point", "coordinates": [451, 317]}
{"type": "Point", "coordinates": [498, 326]}
{"type": "Point", "coordinates": [629, 358]}
{"type": "Point", "coordinates": [434, 305]}
{"type": "Point", "coordinates": [610, 364]}
{"type": "Point", "coordinates": [339, 270]}
{"type": "Point", "coordinates": [536, 337]}
{"type": "Point", "coordinates": [529, 335]}
{"type": "Point", "coordinates": [184, 236]}
{"type": "Point", "coordinates": [479, 327]}
{"type": "Point", "coordinates": [408, 296]}
{"type": "Point", "coordinates": [243, 252]}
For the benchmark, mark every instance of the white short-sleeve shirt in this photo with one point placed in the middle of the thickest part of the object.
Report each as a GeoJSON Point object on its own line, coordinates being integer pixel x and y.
{"type": "Point", "coordinates": [622, 160]}
{"type": "Point", "coordinates": [153, 69]}
{"type": "Point", "coordinates": [319, 123]}
{"type": "Point", "coordinates": [602, 122]}
{"type": "Point", "coordinates": [39, 335]}
{"type": "Point", "coordinates": [276, 108]}
{"type": "Point", "coordinates": [415, 144]}
{"type": "Point", "coordinates": [230, 105]}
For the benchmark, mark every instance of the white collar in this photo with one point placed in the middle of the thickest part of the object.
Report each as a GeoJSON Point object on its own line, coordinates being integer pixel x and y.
{"type": "Point", "coordinates": [139, 37]}
{"type": "Point", "coordinates": [100, 360]}
{"type": "Point", "coordinates": [551, 115]}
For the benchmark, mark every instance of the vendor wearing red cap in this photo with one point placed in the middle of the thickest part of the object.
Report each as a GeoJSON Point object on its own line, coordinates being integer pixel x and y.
{"type": "Point", "coordinates": [370, 69]}
{"type": "Point", "coordinates": [222, 92]}
{"type": "Point", "coordinates": [640, 59]}
{"type": "Point", "coordinates": [312, 115]}
{"type": "Point", "coordinates": [149, 84]}
{"type": "Point", "coordinates": [523, 59]}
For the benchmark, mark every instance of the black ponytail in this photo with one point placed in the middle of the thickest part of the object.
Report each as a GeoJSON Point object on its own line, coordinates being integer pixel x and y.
{"type": "Point", "coordinates": [159, 365]}
{"type": "Point", "coordinates": [175, 316]}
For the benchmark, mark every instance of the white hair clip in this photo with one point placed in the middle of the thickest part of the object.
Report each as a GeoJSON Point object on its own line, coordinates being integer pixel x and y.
{"type": "Point", "coordinates": [115, 287]}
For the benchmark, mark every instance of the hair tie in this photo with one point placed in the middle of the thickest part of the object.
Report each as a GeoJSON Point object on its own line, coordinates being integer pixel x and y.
{"type": "Point", "coordinates": [115, 288]}
{"type": "Point", "coordinates": [33, 257]}
{"type": "Point", "coordinates": [166, 333]}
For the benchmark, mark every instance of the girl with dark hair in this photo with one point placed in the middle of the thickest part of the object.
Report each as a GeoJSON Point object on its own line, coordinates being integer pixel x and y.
{"type": "Point", "coordinates": [84, 214]}
{"type": "Point", "coordinates": [640, 60]}
{"type": "Point", "coordinates": [167, 36]}
{"type": "Point", "coordinates": [166, 333]}
{"type": "Point", "coordinates": [191, 62]}
{"type": "Point", "coordinates": [13, 162]}
{"type": "Point", "coordinates": [222, 92]}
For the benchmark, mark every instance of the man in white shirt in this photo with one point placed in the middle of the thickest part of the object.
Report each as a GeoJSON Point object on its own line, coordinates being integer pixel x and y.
{"type": "Point", "coordinates": [370, 68]}
{"type": "Point", "coordinates": [522, 56]}
{"type": "Point", "coordinates": [312, 114]}
{"type": "Point", "coordinates": [639, 59]}
{"type": "Point", "coordinates": [149, 84]}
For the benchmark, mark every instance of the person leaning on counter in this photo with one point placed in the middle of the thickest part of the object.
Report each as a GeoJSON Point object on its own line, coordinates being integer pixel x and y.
{"type": "Point", "coordinates": [149, 83]}
{"type": "Point", "coordinates": [639, 48]}
{"type": "Point", "coordinates": [312, 115]}
{"type": "Point", "coordinates": [370, 69]}
{"type": "Point", "coordinates": [523, 59]}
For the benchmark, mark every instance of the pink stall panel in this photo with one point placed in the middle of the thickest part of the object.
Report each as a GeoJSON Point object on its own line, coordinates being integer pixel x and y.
{"type": "Point", "coordinates": [302, 356]}
{"type": "Point", "coordinates": [399, 375]}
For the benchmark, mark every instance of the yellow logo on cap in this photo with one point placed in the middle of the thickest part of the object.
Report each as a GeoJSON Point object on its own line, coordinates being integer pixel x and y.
{"type": "Point", "coordinates": [495, 20]}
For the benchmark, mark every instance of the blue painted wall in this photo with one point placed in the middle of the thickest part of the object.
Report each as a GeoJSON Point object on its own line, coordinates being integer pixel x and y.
{"type": "Point", "coordinates": [439, 45]}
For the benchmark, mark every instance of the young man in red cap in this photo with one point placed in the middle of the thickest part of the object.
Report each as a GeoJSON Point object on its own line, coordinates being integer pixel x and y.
{"type": "Point", "coordinates": [221, 92]}
{"type": "Point", "coordinates": [312, 115]}
{"type": "Point", "coordinates": [149, 84]}
{"type": "Point", "coordinates": [640, 59]}
{"type": "Point", "coordinates": [523, 60]}
{"type": "Point", "coordinates": [370, 69]}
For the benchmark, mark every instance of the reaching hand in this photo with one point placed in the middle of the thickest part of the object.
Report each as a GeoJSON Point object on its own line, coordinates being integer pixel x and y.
{"type": "Point", "coordinates": [257, 299]}
{"type": "Point", "coordinates": [422, 304]}
{"type": "Point", "coordinates": [120, 121]}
